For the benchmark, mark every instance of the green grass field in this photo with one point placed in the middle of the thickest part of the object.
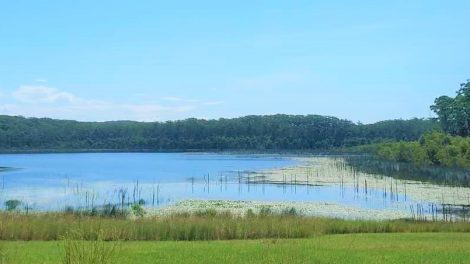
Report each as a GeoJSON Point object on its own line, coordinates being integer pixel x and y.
{"type": "Point", "coordinates": [350, 248]}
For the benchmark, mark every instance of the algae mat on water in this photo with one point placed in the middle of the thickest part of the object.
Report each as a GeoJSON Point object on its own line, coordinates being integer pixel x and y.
{"type": "Point", "coordinates": [353, 248]}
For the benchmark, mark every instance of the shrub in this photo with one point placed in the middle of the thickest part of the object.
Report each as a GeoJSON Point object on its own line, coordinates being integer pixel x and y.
{"type": "Point", "coordinates": [138, 210]}
{"type": "Point", "coordinates": [12, 205]}
{"type": "Point", "coordinates": [250, 213]}
{"type": "Point", "coordinates": [265, 211]}
{"type": "Point", "coordinates": [290, 211]}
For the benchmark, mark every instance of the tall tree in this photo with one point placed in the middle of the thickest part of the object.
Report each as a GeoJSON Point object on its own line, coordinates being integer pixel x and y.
{"type": "Point", "coordinates": [454, 113]}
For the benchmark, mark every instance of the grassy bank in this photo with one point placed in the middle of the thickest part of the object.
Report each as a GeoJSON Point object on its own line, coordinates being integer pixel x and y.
{"type": "Point", "coordinates": [351, 248]}
{"type": "Point", "coordinates": [206, 225]}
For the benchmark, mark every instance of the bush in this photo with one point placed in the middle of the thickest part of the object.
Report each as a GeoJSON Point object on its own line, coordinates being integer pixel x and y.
{"type": "Point", "coordinates": [434, 148]}
{"type": "Point", "coordinates": [138, 210]}
{"type": "Point", "coordinates": [290, 212]}
{"type": "Point", "coordinates": [250, 213]}
{"type": "Point", "coordinates": [12, 205]}
{"type": "Point", "coordinates": [265, 211]}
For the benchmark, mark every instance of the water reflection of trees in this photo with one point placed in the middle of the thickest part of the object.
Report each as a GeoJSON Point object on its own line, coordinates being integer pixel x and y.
{"type": "Point", "coordinates": [408, 171]}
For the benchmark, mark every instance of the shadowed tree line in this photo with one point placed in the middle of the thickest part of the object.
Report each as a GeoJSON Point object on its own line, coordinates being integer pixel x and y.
{"type": "Point", "coordinates": [271, 132]}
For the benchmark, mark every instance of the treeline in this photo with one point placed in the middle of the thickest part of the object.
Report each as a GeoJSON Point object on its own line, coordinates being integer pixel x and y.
{"type": "Point", "coordinates": [434, 148]}
{"type": "Point", "coordinates": [272, 132]}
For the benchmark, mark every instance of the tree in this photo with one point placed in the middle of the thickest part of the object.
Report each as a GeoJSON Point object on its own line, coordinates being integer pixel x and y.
{"type": "Point", "coordinates": [454, 113]}
{"type": "Point", "coordinates": [12, 205]}
{"type": "Point", "coordinates": [269, 132]}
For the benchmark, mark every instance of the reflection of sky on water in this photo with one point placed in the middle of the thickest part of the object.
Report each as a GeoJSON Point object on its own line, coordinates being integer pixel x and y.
{"type": "Point", "coordinates": [53, 181]}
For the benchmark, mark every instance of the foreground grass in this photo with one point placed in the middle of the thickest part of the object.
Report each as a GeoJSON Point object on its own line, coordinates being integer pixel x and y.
{"type": "Point", "coordinates": [350, 248]}
{"type": "Point", "coordinates": [206, 226]}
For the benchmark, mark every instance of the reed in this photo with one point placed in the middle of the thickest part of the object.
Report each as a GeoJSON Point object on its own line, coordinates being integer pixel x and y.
{"type": "Point", "coordinates": [208, 225]}
{"type": "Point", "coordinates": [80, 248]}
{"type": "Point", "coordinates": [3, 255]}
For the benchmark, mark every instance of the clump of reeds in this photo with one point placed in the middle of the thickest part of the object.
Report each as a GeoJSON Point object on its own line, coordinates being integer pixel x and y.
{"type": "Point", "coordinates": [265, 211]}
{"type": "Point", "coordinates": [107, 210]}
{"type": "Point", "coordinates": [290, 212]}
{"type": "Point", "coordinates": [210, 212]}
{"type": "Point", "coordinates": [3, 254]}
{"type": "Point", "coordinates": [81, 249]}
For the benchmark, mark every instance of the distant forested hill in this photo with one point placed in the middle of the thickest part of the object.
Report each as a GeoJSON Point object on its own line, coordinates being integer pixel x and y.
{"type": "Point", "coordinates": [272, 132]}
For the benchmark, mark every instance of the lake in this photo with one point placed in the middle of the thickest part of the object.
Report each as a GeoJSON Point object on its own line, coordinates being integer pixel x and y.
{"type": "Point", "coordinates": [85, 180]}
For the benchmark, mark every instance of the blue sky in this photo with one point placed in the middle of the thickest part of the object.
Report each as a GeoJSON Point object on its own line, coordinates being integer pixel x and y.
{"type": "Point", "coordinates": [163, 60]}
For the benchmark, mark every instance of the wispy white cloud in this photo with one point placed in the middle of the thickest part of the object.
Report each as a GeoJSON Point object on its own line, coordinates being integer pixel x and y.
{"type": "Point", "coordinates": [179, 99]}
{"type": "Point", "coordinates": [43, 101]}
{"type": "Point", "coordinates": [42, 94]}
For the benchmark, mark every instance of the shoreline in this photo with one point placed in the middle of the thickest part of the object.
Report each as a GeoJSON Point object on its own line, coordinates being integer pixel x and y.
{"type": "Point", "coordinates": [305, 208]}
{"type": "Point", "coordinates": [307, 152]}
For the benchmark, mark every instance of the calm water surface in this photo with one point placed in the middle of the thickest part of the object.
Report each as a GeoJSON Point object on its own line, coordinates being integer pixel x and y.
{"type": "Point", "coordinates": [53, 181]}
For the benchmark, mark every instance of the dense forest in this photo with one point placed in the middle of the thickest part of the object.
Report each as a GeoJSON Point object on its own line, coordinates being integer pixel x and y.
{"type": "Point", "coordinates": [272, 132]}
